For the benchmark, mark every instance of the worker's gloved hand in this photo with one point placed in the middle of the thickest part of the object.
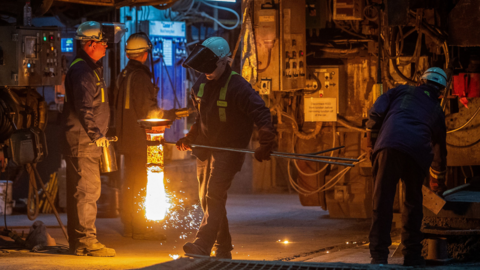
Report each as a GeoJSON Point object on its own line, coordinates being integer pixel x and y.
{"type": "Point", "coordinates": [184, 144]}
{"type": "Point", "coordinates": [102, 142]}
{"type": "Point", "coordinates": [437, 181]}
{"type": "Point", "coordinates": [268, 144]}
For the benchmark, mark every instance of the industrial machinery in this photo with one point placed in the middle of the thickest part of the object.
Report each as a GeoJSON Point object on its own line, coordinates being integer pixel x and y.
{"type": "Point", "coordinates": [168, 52]}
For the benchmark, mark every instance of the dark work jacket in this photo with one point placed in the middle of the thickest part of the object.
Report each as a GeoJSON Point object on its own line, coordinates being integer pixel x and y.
{"type": "Point", "coordinates": [86, 112]}
{"type": "Point", "coordinates": [244, 108]}
{"type": "Point", "coordinates": [410, 120]}
{"type": "Point", "coordinates": [131, 137]}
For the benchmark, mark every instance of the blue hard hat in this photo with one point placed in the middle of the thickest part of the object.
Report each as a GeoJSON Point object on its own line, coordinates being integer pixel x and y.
{"type": "Point", "coordinates": [436, 75]}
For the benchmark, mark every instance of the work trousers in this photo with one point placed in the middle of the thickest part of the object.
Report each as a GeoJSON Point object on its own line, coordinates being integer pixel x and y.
{"type": "Point", "coordinates": [215, 175]}
{"type": "Point", "coordinates": [134, 191]}
{"type": "Point", "coordinates": [389, 166]}
{"type": "Point", "coordinates": [83, 192]}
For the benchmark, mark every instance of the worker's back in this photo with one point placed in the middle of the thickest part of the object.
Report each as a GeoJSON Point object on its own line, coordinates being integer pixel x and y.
{"type": "Point", "coordinates": [410, 119]}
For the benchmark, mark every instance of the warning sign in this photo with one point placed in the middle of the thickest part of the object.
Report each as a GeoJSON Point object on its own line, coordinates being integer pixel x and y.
{"type": "Point", "coordinates": [320, 109]}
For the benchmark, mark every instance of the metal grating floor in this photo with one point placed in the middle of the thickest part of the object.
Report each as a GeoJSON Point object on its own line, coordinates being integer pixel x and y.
{"type": "Point", "coordinates": [270, 265]}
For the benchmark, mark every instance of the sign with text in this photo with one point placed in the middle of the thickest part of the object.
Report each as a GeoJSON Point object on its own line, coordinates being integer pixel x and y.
{"type": "Point", "coordinates": [320, 109]}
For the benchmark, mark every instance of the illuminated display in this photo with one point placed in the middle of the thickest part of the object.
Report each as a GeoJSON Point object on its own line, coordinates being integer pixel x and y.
{"type": "Point", "coordinates": [67, 45]}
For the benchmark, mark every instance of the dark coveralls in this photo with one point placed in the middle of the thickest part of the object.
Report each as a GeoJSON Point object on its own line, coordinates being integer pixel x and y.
{"type": "Point", "coordinates": [412, 134]}
{"type": "Point", "coordinates": [85, 119]}
{"type": "Point", "coordinates": [131, 104]}
{"type": "Point", "coordinates": [223, 120]}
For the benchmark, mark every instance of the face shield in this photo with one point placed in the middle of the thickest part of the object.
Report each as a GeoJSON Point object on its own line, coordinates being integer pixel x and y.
{"type": "Point", "coordinates": [202, 59]}
{"type": "Point", "coordinates": [113, 32]}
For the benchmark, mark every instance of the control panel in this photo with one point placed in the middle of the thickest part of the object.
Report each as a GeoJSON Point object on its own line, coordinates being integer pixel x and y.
{"type": "Point", "coordinates": [30, 56]}
{"type": "Point", "coordinates": [280, 45]}
{"type": "Point", "coordinates": [327, 82]}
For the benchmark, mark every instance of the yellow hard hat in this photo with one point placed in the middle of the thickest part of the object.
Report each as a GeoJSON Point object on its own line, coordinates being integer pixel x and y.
{"type": "Point", "coordinates": [137, 43]}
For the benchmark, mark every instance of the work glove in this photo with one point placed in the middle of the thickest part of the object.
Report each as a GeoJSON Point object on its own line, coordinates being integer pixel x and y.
{"type": "Point", "coordinates": [268, 144]}
{"type": "Point", "coordinates": [184, 144]}
{"type": "Point", "coordinates": [437, 181]}
{"type": "Point", "coordinates": [102, 142]}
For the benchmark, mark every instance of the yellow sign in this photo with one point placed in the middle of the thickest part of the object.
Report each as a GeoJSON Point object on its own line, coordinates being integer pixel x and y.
{"type": "Point", "coordinates": [320, 109]}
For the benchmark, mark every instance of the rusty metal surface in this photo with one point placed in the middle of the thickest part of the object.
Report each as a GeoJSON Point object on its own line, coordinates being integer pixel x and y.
{"type": "Point", "coordinates": [460, 153]}
{"type": "Point", "coordinates": [432, 201]}
{"type": "Point", "coordinates": [463, 22]}
{"type": "Point", "coordinates": [397, 12]}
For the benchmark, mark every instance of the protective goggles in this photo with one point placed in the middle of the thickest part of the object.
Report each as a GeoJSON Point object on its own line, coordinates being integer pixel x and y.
{"type": "Point", "coordinates": [202, 59]}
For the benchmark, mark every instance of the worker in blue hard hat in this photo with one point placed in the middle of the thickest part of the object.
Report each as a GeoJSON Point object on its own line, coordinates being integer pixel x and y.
{"type": "Point", "coordinates": [85, 119]}
{"type": "Point", "coordinates": [227, 110]}
{"type": "Point", "coordinates": [408, 135]}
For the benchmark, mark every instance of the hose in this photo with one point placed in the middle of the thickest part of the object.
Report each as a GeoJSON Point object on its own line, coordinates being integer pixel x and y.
{"type": "Point", "coordinates": [468, 122]}
{"type": "Point", "coordinates": [394, 61]}
{"type": "Point", "coordinates": [334, 137]}
{"type": "Point", "coordinates": [268, 61]}
{"type": "Point", "coordinates": [330, 184]}
{"type": "Point", "coordinates": [349, 126]}
{"type": "Point", "coordinates": [215, 20]}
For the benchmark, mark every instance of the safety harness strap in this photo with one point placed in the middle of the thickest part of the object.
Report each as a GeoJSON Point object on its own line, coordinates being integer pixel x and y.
{"type": "Point", "coordinates": [221, 103]}
{"type": "Point", "coordinates": [200, 90]}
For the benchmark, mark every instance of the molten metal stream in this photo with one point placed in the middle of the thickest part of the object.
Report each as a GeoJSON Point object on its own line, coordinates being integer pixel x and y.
{"type": "Point", "coordinates": [157, 202]}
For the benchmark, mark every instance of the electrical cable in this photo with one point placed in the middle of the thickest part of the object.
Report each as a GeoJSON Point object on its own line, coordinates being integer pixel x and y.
{"type": "Point", "coordinates": [32, 191]}
{"type": "Point", "coordinates": [326, 165]}
{"type": "Point", "coordinates": [218, 22]}
{"type": "Point", "coordinates": [171, 83]}
{"type": "Point", "coordinates": [464, 125]}
{"type": "Point", "coordinates": [463, 146]}
{"type": "Point", "coordinates": [268, 61]}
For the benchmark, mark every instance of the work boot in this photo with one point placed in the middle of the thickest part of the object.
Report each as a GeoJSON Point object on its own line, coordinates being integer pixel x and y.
{"type": "Point", "coordinates": [194, 249]}
{"type": "Point", "coordinates": [219, 254]}
{"type": "Point", "coordinates": [150, 235]}
{"type": "Point", "coordinates": [415, 262]}
{"type": "Point", "coordinates": [95, 250]}
{"type": "Point", "coordinates": [379, 261]}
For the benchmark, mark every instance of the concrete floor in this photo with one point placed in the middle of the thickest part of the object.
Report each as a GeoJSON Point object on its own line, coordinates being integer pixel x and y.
{"type": "Point", "coordinates": [259, 226]}
{"type": "Point", "coordinates": [257, 222]}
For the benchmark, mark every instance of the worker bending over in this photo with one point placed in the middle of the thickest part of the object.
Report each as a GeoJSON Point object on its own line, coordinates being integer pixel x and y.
{"type": "Point", "coordinates": [407, 127]}
{"type": "Point", "coordinates": [227, 108]}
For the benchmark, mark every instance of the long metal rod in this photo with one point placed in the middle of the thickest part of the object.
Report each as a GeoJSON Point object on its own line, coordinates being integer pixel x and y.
{"type": "Point", "coordinates": [49, 199]}
{"type": "Point", "coordinates": [283, 155]}
{"type": "Point", "coordinates": [315, 156]}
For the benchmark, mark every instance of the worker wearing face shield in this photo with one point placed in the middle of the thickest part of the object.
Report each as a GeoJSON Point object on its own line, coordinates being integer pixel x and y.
{"type": "Point", "coordinates": [227, 109]}
{"type": "Point", "coordinates": [85, 120]}
{"type": "Point", "coordinates": [136, 97]}
{"type": "Point", "coordinates": [408, 135]}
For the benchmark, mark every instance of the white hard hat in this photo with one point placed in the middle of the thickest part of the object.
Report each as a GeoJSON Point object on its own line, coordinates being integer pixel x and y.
{"type": "Point", "coordinates": [218, 45]}
{"type": "Point", "coordinates": [436, 75]}
{"type": "Point", "coordinates": [137, 43]}
{"type": "Point", "coordinates": [89, 31]}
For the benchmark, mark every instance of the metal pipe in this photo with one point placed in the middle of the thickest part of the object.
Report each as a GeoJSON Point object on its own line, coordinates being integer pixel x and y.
{"type": "Point", "coordinates": [276, 154]}
{"type": "Point", "coordinates": [315, 156]}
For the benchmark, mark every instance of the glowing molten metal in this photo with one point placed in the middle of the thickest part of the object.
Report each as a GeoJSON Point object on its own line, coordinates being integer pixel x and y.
{"type": "Point", "coordinates": [157, 202]}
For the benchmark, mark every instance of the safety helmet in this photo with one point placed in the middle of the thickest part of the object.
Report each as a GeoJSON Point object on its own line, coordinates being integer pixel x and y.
{"type": "Point", "coordinates": [436, 75]}
{"type": "Point", "coordinates": [138, 43]}
{"type": "Point", "coordinates": [204, 57]}
{"type": "Point", "coordinates": [89, 31]}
